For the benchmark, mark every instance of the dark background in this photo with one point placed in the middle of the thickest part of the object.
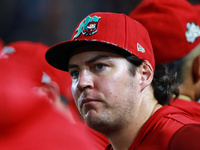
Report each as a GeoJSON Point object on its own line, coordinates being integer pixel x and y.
{"type": "Point", "coordinates": [52, 21]}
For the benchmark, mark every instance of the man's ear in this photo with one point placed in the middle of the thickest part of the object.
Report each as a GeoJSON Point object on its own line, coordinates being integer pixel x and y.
{"type": "Point", "coordinates": [52, 91]}
{"type": "Point", "coordinates": [196, 69]}
{"type": "Point", "coordinates": [147, 74]}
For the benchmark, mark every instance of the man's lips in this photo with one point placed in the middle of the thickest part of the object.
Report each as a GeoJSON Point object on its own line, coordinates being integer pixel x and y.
{"type": "Point", "coordinates": [87, 101]}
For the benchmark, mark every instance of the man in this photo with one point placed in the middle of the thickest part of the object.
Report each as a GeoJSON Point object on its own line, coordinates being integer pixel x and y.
{"type": "Point", "coordinates": [27, 118]}
{"type": "Point", "coordinates": [175, 34]}
{"type": "Point", "coordinates": [111, 62]}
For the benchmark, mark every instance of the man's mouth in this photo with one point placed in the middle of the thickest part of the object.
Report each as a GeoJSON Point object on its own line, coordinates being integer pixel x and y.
{"type": "Point", "coordinates": [87, 101]}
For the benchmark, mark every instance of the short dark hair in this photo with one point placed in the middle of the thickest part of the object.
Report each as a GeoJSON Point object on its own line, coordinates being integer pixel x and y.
{"type": "Point", "coordinates": [164, 82]}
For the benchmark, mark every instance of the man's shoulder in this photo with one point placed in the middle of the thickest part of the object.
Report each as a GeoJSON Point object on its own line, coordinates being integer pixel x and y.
{"type": "Point", "coordinates": [176, 117]}
{"type": "Point", "coordinates": [162, 126]}
{"type": "Point", "coordinates": [187, 137]}
{"type": "Point", "coordinates": [192, 107]}
{"type": "Point", "coordinates": [166, 122]}
{"type": "Point", "coordinates": [172, 113]}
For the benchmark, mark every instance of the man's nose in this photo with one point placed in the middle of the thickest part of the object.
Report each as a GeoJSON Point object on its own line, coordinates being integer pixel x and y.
{"type": "Point", "coordinates": [85, 80]}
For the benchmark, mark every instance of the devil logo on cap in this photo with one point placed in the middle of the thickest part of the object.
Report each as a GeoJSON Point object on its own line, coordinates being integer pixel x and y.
{"type": "Point", "coordinates": [87, 27]}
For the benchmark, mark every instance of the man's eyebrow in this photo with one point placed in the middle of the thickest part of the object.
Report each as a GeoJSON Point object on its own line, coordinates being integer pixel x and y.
{"type": "Point", "coordinates": [88, 61]}
{"type": "Point", "coordinates": [96, 58]}
{"type": "Point", "coordinates": [70, 66]}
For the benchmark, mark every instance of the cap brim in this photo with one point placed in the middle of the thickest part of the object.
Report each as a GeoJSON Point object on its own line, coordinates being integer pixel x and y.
{"type": "Point", "coordinates": [58, 55]}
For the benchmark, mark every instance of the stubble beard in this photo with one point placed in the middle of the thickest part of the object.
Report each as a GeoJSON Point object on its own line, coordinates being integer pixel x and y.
{"type": "Point", "coordinates": [105, 124]}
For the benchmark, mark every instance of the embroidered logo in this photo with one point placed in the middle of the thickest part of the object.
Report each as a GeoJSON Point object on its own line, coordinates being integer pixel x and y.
{"type": "Point", "coordinates": [88, 26]}
{"type": "Point", "coordinates": [6, 51]}
{"type": "Point", "coordinates": [45, 78]}
{"type": "Point", "coordinates": [140, 48]}
{"type": "Point", "coordinates": [193, 32]}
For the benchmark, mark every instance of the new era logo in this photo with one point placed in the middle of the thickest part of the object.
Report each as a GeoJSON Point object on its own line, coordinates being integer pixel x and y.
{"type": "Point", "coordinates": [193, 32]}
{"type": "Point", "coordinates": [140, 48]}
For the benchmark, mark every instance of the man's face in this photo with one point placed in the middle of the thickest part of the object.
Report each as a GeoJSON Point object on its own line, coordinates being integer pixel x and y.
{"type": "Point", "coordinates": [103, 88]}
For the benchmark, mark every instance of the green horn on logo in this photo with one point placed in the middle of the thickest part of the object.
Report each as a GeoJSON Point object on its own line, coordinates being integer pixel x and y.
{"type": "Point", "coordinates": [84, 24]}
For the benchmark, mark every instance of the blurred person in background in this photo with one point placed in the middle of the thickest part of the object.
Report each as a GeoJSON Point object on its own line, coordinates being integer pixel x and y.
{"type": "Point", "coordinates": [174, 28]}
{"type": "Point", "coordinates": [30, 113]}
{"type": "Point", "coordinates": [197, 7]}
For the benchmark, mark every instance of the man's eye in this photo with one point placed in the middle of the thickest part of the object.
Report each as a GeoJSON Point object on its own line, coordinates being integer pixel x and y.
{"type": "Point", "coordinates": [74, 74]}
{"type": "Point", "coordinates": [99, 66]}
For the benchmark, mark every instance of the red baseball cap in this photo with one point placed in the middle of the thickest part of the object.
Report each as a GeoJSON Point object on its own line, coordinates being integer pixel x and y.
{"type": "Point", "coordinates": [173, 26]}
{"type": "Point", "coordinates": [31, 55]}
{"type": "Point", "coordinates": [23, 67]}
{"type": "Point", "coordinates": [115, 30]}
{"type": "Point", "coordinates": [197, 7]}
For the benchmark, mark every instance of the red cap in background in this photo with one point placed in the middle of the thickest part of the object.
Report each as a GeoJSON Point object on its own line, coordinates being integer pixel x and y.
{"type": "Point", "coordinates": [197, 7]}
{"type": "Point", "coordinates": [23, 69]}
{"type": "Point", "coordinates": [173, 26]}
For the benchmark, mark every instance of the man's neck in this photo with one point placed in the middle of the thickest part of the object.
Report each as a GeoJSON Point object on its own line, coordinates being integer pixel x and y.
{"type": "Point", "coordinates": [123, 139]}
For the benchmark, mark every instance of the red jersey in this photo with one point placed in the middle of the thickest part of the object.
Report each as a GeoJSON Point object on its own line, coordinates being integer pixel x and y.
{"type": "Point", "coordinates": [165, 128]}
{"type": "Point", "coordinates": [191, 107]}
